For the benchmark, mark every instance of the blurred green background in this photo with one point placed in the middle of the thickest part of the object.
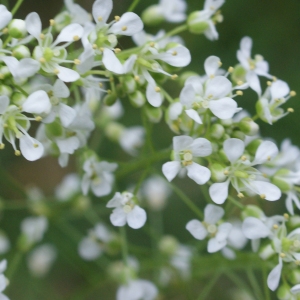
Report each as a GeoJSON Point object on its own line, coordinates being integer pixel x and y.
{"type": "Point", "coordinates": [274, 26]}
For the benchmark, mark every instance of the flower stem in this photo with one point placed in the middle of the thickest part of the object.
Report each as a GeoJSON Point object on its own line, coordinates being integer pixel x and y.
{"type": "Point", "coordinates": [175, 31]}
{"type": "Point", "coordinates": [133, 5]}
{"type": "Point", "coordinates": [254, 284]}
{"type": "Point", "coordinates": [209, 286]}
{"type": "Point", "coordinates": [124, 245]}
{"type": "Point", "coordinates": [16, 7]}
{"type": "Point", "coordinates": [236, 203]}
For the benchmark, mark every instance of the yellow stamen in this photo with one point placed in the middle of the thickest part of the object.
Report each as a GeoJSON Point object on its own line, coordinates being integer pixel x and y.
{"type": "Point", "coordinates": [77, 61]}
{"type": "Point", "coordinates": [290, 109]}
{"type": "Point", "coordinates": [117, 50]}
{"type": "Point", "coordinates": [230, 69]}
{"type": "Point", "coordinates": [292, 93]}
{"type": "Point", "coordinates": [76, 38]}
{"type": "Point", "coordinates": [157, 89]}
{"type": "Point", "coordinates": [17, 153]}
{"type": "Point", "coordinates": [262, 196]}
{"type": "Point", "coordinates": [124, 28]}
{"type": "Point", "coordinates": [117, 18]}
{"type": "Point", "coordinates": [52, 22]}
{"type": "Point", "coordinates": [239, 93]}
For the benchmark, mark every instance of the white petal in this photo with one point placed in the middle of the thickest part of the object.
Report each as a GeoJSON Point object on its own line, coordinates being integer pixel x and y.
{"type": "Point", "coordinates": [154, 98]}
{"type": "Point", "coordinates": [111, 62]}
{"type": "Point", "coordinates": [68, 34]}
{"type": "Point", "coordinates": [37, 103]}
{"type": "Point", "coordinates": [89, 249]}
{"type": "Point", "coordinates": [171, 169]}
{"type": "Point", "coordinates": [6, 16]}
{"type": "Point", "coordinates": [60, 90]}
{"type": "Point", "coordinates": [201, 147]}
{"type": "Point", "coordinates": [274, 277]}
{"type": "Point", "coordinates": [295, 289]}
{"type": "Point", "coordinates": [67, 75]}
{"type": "Point", "coordinates": [182, 142]}
{"type": "Point", "coordinates": [198, 173]}
{"type": "Point", "coordinates": [219, 192]}
{"type": "Point", "coordinates": [118, 217]}
{"type": "Point", "coordinates": [224, 108]}
{"type": "Point", "coordinates": [266, 151]}
{"type": "Point", "coordinates": [213, 213]}
{"type": "Point", "coordinates": [115, 201]}
{"type": "Point", "coordinates": [269, 190]}
{"type": "Point", "coordinates": [102, 10]}
{"type": "Point", "coordinates": [196, 229]}
{"type": "Point", "coordinates": [31, 148]}
{"type": "Point", "coordinates": [234, 149]}
{"type": "Point", "coordinates": [27, 67]}
{"type": "Point", "coordinates": [131, 21]}
{"type": "Point", "coordinates": [136, 218]}
{"type": "Point", "coordinates": [223, 231]}
{"type": "Point", "coordinates": [181, 59]}
{"type": "Point", "coordinates": [254, 228]}
{"type": "Point", "coordinates": [188, 94]}
{"type": "Point", "coordinates": [68, 145]}
{"type": "Point", "coordinates": [253, 81]}
{"type": "Point", "coordinates": [194, 115]}
{"type": "Point", "coordinates": [4, 102]}
{"type": "Point", "coordinates": [66, 114]}
{"type": "Point", "coordinates": [246, 46]}
{"type": "Point", "coordinates": [218, 87]}
{"type": "Point", "coordinates": [34, 24]}
{"type": "Point", "coordinates": [279, 89]}
{"type": "Point", "coordinates": [211, 65]}
{"type": "Point", "coordinates": [214, 245]}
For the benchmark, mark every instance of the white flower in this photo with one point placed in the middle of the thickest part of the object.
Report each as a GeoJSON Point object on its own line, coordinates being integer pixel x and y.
{"type": "Point", "coordinates": [47, 53]}
{"type": "Point", "coordinates": [98, 176]}
{"type": "Point", "coordinates": [131, 139]}
{"type": "Point", "coordinates": [3, 279]}
{"type": "Point", "coordinates": [138, 289]}
{"type": "Point", "coordinates": [69, 187]}
{"type": "Point", "coordinates": [268, 106]}
{"type": "Point", "coordinates": [218, 233]}
{"type": "Point", "coordinates": [126, 211]}
{"type": "Point", "coordinates": [253, 67]}
{"type": "Point", "coordinates": [181, 260]}
{"type": "Point", "coordinates": [212, 94]}
{"type": "Point", "coordinates": [5, 16]}
{"type": "Point", "coordinates": [186, 149]}
{"type": "Point", "coordinates": [242, 175]}
{"type": "Point", "coordinates": [41, 259]}
{"type": "Point", "coordinates": [34, 228]}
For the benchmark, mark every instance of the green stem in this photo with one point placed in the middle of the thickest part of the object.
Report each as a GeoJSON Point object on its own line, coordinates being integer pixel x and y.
{"type": "Point", "coordinates": [167, 96]}
{"type": "Point", "coordinates": [254, 284]}
{"type": "Point", "coordinates": [266, 289]}
{"type": "Point", "coordinates": [187, 201]}
{"type": "Point", "coordinates": [174, 31]}
{"type": "Point", "coordinates": [235, 202]}
{"type": "Point", "coordinates": [13, 264]}
{"type": "Point", "coordinates": [133, 5]}
{"type": "Point", "coordinates": [239, 282]}
{"type": "Point", "coordinates": [16, 7]}
{"type": "Point", "coordinates": [209, 286]}
{"type": "Point", "coordinates": [20, 89]}
{"type": "Point", "coordinates": [124, 245]}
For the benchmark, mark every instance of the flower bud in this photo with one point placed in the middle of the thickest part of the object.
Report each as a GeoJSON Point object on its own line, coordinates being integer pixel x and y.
{"type": "Point", "coordinates": [252, 211]}
{"type": "Point", "coordinates": [266, 252]}
{"type": "Point", "coordinates": [294, 276]}
{"type": "Point", "coordinates": [62, 20]}
{"type": "Point", "coordinates": [4, 72]}
{"type": "Point", "coordinates": [20, 52]}
{"type": "Point", "coordinates": [283, 292]}
{"type": "Point", "coordinates": [217, 172]}
{"type": "Point", "coordinates": [81, 203]}
{"type": "Point", "coordinates": [110, 99]}
{"type": "Point", "coordinates": [129, 84]}
{"type": "Point", "coordinates": [217, 131]}
{"type": "Point", "coordinates": [152, 15]}
{"type": "Point", "coordinates": [114, 130]}
{"type": "Point", "coordinates": [17, 98]}
{"type": "Point", "coordinates": [239, 74]}
{"type": "Point", "coordinates": [252, 147]}
{"type": "Point", "coordinates": [238, 135]}
{"type": "Point", "coordinates": [168, 245]}
{"type": "Point", "coordinates": [294, 221]}
{"type": "Point", "coordinates": [121, 273]}
{"type": "Point", "coordinates": [154, 114]}
{"type": "Point", "coordinates": [5, 90]}
{"type": "Point", "coordinates": [53, 129]}
{"type": "Point", "coordinates": [226, 122]}
{"type": "Point", "coordinates": [137, 99]}
{"type": "Point", "coordinates": [248, 127]}
{"type": "Point", "coordinates": [195, 24]}
{"type": "Point", "coordinates": [17, 28]}
{"type": "Point", "coordinates": [184, 76]}
{"type": "Point", "coordinates": [279, 181]}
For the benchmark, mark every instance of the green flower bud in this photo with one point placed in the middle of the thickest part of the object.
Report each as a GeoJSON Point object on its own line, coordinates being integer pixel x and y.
{"type": "Point", "coordinates": [5, 90]}
{"type": "Point", "coordinates": [17, 98]}
{"type": "Point", "coordinates": [227, 122]}
{"type": "Point", "coordinates": [54, 129]}
{"type": "Point", "coordinates": [252, 147]}
{"type": "Point", "coordinates": [248, 127]}
{"type": "Point", "coordinates": [81, 204]}
{"type": "Point", "coordinates": [152, 16]}
{"type": "Point", "coordinates": [154, 114]}
{"type": "Point", "coordinates": [168, 245]}
{"type": "Point", "coordinates": [252, 211]}
{"type": "Point", "coordinates": [294, 276]}
{"type": "Point", "coordinates": [137, 99]}
{"type": "Point", "coordinates": [62, 20]}
{"type": "Point", "coordinates": [20, 52]}
{"type": "Point", "coordinates": [113, 131]}
{"type": "Point", "coordinates": [223, 156]}
{"type": "Point", "coordinates": [184, 76]}
{"type": "Point", "coordinates": [294, 221]}
{"type": "Point", "coordinates": [238, 135]}
{"type": "Point", "coordinates": [217, 172]}
{"type": "Point", "coordinates": [238, 76]}
{"type": "Point", "coordinates": [217, 131]}
{"type": "Point", "coordinates": [279, 181]}
{"type": "Point", "coordinates": [129, 84]}
{"type": "Point", "coordinates": [17, 28]}
{"type": "Point", "coordinates": [121, 273]}
{"type": "Point", "coordinates": [110, 99]}
{"type": "Point", "coordinates": [283, 292]}
{"type": "Point", "coordinates": [4, 72]}
{"type": "Point", "coordinates": [195, 26]}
